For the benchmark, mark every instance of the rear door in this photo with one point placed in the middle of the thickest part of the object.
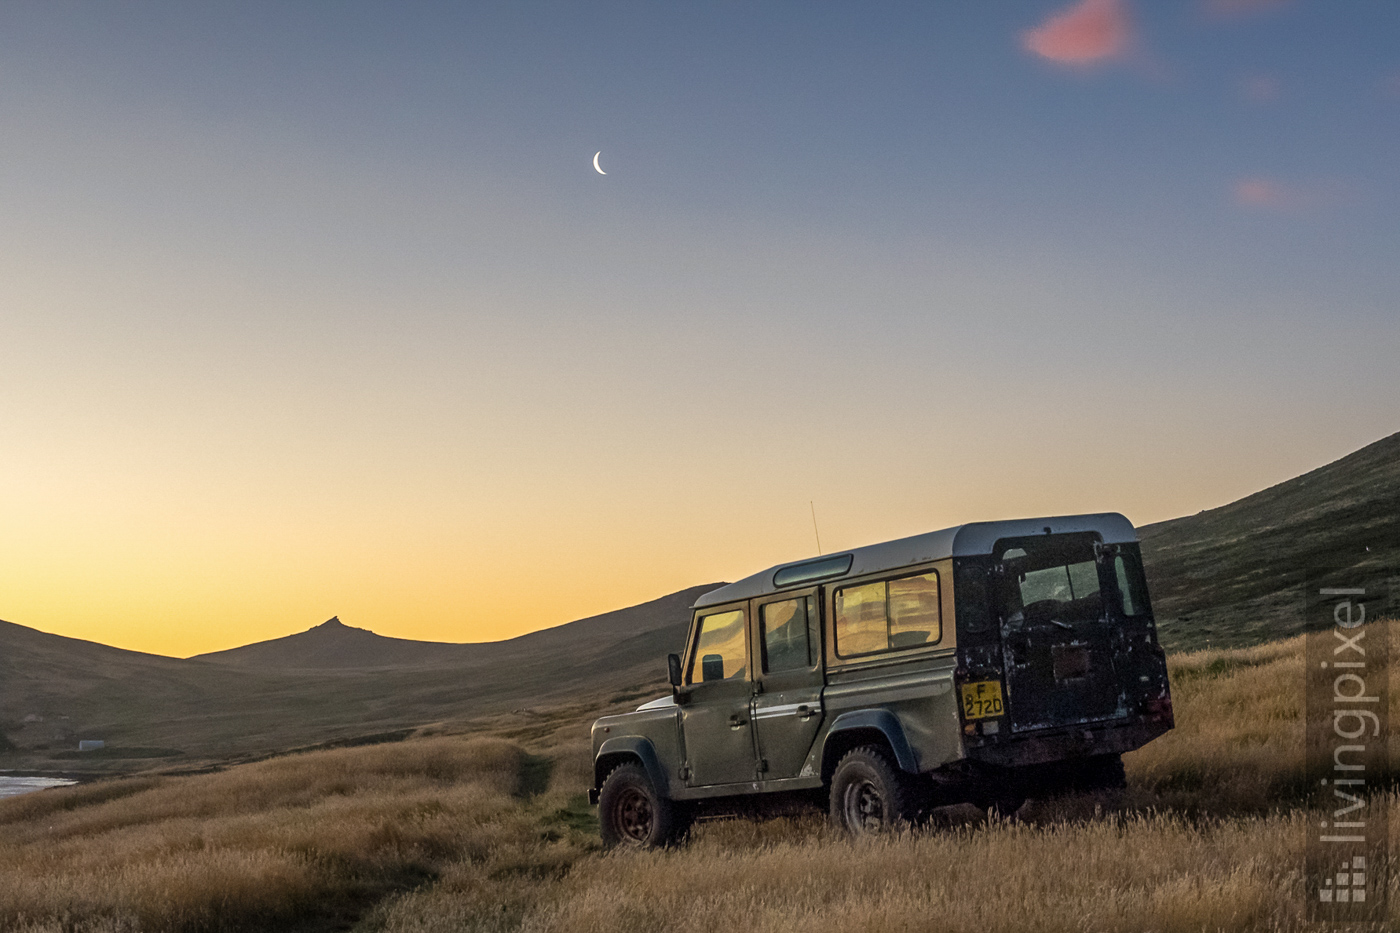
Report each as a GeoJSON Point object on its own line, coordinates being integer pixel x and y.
{"type": "Point", "coordinates": [1057, 637]}
{"type": "Point", "coordinates": [787, 705]}
{"type": "Point", "coordinates": [715, 719]}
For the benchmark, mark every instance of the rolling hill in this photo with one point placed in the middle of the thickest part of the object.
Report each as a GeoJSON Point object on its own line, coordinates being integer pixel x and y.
{"type": "Point", "coordinates": [1230, 576]}
{"type": "Point", "coordinates": [315, 687]}
{"type": "Point", "coordinates": [334, 645]}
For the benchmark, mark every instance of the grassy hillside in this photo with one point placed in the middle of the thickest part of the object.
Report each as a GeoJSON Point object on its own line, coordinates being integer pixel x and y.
{"type": "Point", "coordinates": [488, 831]}
{"type": "Point", "coordinates": [152, 710]}
{"type": "Point", "coordinates": [1231, 576]}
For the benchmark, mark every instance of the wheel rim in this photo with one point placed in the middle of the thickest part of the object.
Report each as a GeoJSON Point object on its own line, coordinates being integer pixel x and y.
{"type": "Point", "coordinates": [864, 807]}
{"type": "Point", "coordinates": [634, 816]}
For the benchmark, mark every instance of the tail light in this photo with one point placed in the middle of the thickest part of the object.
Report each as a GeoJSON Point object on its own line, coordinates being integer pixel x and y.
{"type": "Point", "coordinates": [1158, 707]}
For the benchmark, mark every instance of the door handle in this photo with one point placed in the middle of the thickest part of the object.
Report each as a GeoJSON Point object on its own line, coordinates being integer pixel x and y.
{"type": "Point", "coordinates": [805, 712]}
{"type": "Point", "coordinates": [735, 722]}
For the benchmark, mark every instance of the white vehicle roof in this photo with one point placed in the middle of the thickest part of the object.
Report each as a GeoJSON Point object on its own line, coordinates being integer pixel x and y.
{"type": "Point", "coordinates": [975, 538]}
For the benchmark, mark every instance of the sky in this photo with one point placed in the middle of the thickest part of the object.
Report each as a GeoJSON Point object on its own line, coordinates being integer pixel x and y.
{"type": "Point", "coordinates": [321, 309]}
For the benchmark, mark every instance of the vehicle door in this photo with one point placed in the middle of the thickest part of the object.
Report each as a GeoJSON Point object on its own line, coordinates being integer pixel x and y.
{"type": "Point", "coordinates": [715, 718]}
{"type": "Point", "coordinates": [1057, 636]}
{"type": "Point", "coordinates": [787, 705]}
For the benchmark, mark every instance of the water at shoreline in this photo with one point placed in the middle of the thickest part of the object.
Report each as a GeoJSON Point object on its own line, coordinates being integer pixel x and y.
{"type": "Point", "coordinates": [14, 786]}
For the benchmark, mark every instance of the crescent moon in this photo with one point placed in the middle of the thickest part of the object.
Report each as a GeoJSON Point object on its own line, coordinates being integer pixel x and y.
{"type": "Point", "coordinates": [595, 162]}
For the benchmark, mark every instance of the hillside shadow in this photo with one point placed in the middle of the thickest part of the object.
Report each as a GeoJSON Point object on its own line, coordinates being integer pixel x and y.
{"type": "Point", "coordinates": [1196, 805]}
{"type": "Point", "coordinates": [345, 912]}
{"type": "Point", "coordinates": [535, 772]}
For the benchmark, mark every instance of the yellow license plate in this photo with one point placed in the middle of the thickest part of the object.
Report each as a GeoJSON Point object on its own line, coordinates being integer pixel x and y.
{"type": "Point", "coordinates": [981, 700]}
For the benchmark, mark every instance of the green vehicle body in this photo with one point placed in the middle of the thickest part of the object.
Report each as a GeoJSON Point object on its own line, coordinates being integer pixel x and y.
{"type": "Point", "coordinates": [1080, 676]}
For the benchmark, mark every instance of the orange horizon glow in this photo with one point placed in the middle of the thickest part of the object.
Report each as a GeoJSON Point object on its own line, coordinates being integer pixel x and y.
{"type": "Point", "coordinates": [427, 578]}
{"type": "Point", "coordinates": [344, 322]}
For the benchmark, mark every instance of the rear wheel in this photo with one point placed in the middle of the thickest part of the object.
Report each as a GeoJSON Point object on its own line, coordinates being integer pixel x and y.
{"type": "Point", "coordinates": [1005, 807]}
{"type": "Point", "coordinates": [632, 813]}
{"type": "Point", "coordinates": [869, 794]}
{"type": "Point", "coordinates": [1102, 772]}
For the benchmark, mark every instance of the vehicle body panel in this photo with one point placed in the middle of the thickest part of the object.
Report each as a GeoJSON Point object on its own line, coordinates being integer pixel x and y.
{"type": "Point", "coordinates": [787, 710]}
{"type": "Point", "coordinates": [887, 724]}
{"type": "Point", "coordinates": [718, 734]}
{"type": "Point", "coordinates": [1081, 675]}
{"type": "Point", "coordinates": [656, 727]}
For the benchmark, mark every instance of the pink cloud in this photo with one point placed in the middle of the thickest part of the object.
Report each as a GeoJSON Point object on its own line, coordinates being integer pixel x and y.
{"type": "Point", "coordinates": [1086, 33]}
{"type": "Point", "coordinates": [1261, 193]}
{"type": "Point", "coordinates": [1261, 89]}
{"type": "Point", "coordinates": [1235, 9]}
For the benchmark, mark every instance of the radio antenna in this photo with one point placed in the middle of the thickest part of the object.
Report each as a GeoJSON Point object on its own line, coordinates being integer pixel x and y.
{"type": "Point", "coordinates": [814, 527]}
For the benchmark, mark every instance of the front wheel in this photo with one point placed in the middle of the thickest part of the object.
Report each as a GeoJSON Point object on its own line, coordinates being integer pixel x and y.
{"type": "Point", "coordinates": [632, 813]}
{"type": "Point", "coordinates": [869, 794]}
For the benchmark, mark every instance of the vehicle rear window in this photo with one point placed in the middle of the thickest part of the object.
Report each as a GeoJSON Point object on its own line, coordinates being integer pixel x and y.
{"type": "Point", "coordinates": [888, 615]}
{"type": "Point", "coordinates": [1064, 583]}
{"type": "Point", "coordinates": [1052, 577]}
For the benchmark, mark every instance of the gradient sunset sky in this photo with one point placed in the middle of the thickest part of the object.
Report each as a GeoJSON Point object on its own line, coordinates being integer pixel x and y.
{"type": "Point", "coordinates": [320, 308]}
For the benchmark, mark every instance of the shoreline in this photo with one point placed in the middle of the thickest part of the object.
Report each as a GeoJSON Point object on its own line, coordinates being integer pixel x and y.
{"type": "Point", "coordinates": [77, 777]}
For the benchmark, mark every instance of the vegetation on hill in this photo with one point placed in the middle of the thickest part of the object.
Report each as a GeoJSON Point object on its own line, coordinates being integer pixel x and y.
{"type": "Point", "coordinates": [1232, 575]}
{"type": "Point", "coordinates": [489, 832]}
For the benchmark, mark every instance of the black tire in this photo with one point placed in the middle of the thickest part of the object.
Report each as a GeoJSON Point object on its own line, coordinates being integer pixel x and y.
{"type": "Point", "coordinates": [1102, 772]}
{"type": "Point", "coordinates": [869, 794]}
{"type": "Point", "coordinates": [631, 813]}
{"type": "Point", "coordinates": [1005, 807]}
{"type": "Point", "coordinates": [999, 793]}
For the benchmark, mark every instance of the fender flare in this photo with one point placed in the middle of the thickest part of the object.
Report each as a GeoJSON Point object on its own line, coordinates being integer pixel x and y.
{"type": "Point", "coordinates": [883, 721]}
{"type": "Point", "coordinates": [632, 746]}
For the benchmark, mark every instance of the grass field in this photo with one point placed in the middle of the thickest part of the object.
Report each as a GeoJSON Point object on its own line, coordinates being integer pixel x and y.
{"type": "Point", "coordinates": [490, 832]}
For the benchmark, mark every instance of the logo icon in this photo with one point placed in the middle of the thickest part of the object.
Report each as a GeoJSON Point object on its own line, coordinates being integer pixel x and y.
{"type": "Point", "coordinates": [1350, 884]}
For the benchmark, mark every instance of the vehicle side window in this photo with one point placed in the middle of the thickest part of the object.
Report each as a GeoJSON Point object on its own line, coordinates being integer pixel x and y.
{"type": "Point", "coordinates": [1130, 585]}
{"type": "Point", "coordinates": [719, 648]}
{"type": "Point", "coordinates": [915, 613]}
{"type": "Point", "coordinates": [860, 619]}
{"type": "Point", "coordinates": [787, 633]}
{"type": "Point", "coordinates": [888, 615]}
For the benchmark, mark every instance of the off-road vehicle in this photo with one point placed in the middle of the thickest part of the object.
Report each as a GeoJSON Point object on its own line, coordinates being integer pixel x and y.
{"type": "Point", "coordinates": [984, 663]}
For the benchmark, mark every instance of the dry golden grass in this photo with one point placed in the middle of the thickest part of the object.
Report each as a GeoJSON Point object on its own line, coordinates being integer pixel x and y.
{"type": "Point", "coordinates": [306, 840]}
{"type": "Point", "coordinates": [1208, 838]}
{"type": "Point", "coordinates": [1238, 742]}
{"type": "Point", "coordinates": [1131, 874]}
{"type": "Point", "coordinates": [454, 833]}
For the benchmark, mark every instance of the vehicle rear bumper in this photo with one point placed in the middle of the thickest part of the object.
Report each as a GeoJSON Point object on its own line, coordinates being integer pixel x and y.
{"type": "Point", "coordinates": [1049, 745]}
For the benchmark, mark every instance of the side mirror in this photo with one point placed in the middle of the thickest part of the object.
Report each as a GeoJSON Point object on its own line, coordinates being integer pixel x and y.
{"type": "Point", "coordinates": [673, 669]}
